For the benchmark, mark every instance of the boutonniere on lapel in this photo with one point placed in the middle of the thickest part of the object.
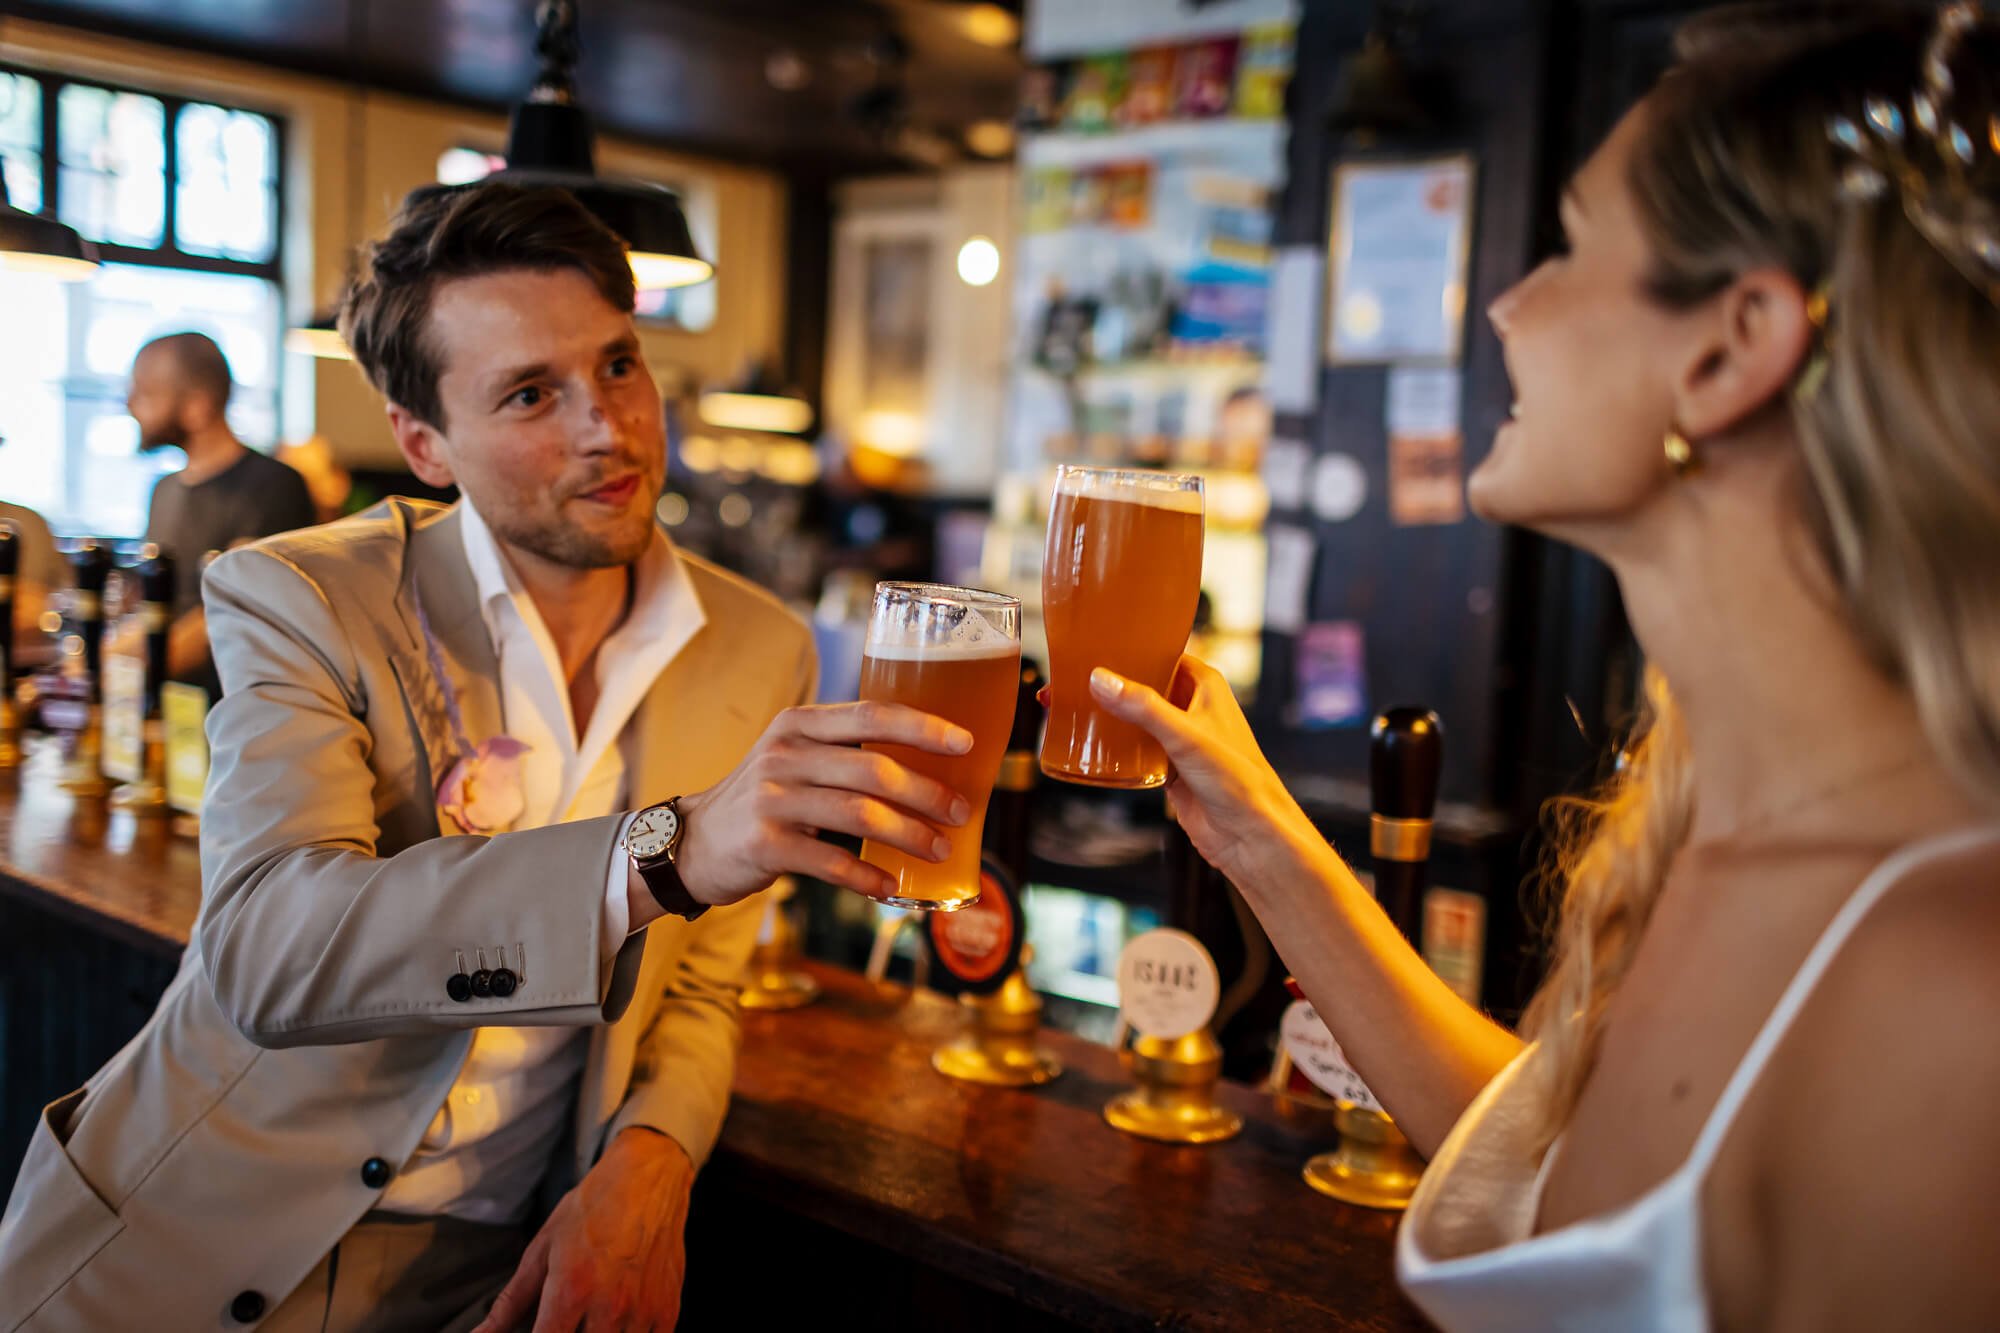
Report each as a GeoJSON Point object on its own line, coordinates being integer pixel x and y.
{"type": "Point", "coordinates": [481, 791]}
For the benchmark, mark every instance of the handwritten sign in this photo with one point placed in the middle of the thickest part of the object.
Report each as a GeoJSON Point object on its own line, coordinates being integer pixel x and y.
{"type": "Point", "coordinates": [1318, 1056]}
{"type": "Point", "coordinates": [124, 718]}
{"type": "Point", "coordinates": [1167, 984]}
{"type": "Point", "coordinates": [185, 708]}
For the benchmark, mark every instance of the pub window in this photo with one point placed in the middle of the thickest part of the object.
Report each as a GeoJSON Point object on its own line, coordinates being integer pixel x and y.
{"type": "Point", "coordinates": [183, 199]}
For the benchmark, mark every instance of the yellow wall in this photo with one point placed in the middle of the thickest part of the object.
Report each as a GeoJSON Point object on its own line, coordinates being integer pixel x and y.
{"type": "Point", "coordinates": [401, 139]}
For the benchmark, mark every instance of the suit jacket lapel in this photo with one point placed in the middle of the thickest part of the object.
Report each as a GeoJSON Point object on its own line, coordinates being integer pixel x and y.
{"type": "Point", "coordinates": [676, 750]}
{"type": "Point", "coordinates": [436, 576]}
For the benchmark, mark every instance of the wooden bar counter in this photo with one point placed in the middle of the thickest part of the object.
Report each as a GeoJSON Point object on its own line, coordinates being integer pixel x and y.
{"type": "Point", "coordinates": [852, 1182]}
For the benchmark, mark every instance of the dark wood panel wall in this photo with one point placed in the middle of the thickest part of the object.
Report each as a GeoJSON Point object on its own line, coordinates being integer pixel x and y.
{"type": "Point", "coordinates": [1519, 643]}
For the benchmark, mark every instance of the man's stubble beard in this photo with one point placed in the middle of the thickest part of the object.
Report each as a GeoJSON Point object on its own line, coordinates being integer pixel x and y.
{"type": "Point", "coordinates": [573, 548]}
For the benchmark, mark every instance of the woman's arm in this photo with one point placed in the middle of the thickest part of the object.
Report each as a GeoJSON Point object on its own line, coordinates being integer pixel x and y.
{"type": "Point", "coordinates": [1423, 1051]}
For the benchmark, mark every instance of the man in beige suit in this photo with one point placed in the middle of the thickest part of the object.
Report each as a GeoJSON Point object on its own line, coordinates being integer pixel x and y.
{"type": "Point", "coordinates": [479, 777]}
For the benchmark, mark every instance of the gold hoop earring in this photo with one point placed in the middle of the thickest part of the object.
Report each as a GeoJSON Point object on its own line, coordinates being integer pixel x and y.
{"type": "Point", "coordinates": [1680, 454]}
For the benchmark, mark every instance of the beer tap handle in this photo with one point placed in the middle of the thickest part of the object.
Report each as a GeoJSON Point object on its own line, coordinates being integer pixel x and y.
{"type": "Point", "coordinates": [1405, 754]}
{"type": "Point", "coordinates": [91, 566]}
{"type": "Point", "coordinates": [156, 601]}
{"type": "Point", "coordinates": [10, 561]}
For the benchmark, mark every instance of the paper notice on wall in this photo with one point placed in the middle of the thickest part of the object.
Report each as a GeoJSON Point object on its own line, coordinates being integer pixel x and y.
{"type": "Point", "coordinates": [185, 708]}
{"type": "Point", "coordinates": [1339, 487]}
{"type": "Point", "coordinates": [1285, 465]}
{"type": "Point", "coordinates": [1426, 446]}
{"type": "Point", "coordinates": [1291, 337]}
{"type": "Point", "coordinates": [1332, 675]}
{"type": "Point", "coordinates": [124, 693]}
{"type": "Point", "coordinates": [1288, 577]}
{"type": "Point", "coordinates": [1455, 940]}
{"type": "Point", "coordinates": [1422, 400]}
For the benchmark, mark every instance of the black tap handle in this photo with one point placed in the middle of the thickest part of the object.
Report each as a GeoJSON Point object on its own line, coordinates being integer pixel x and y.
{"type": "Point", "coordinates": [10, 563]}
{"type": "Point", "coordinates": [1405, 753]}
{"type": "Point", "coordinates": [156, 577]}
{"type": "Point", "coordinates": [91, 568]}
{"type": "Point", "coordinates": [156, 610]}
{"type": "Point", "coordinates": [1027, 736]}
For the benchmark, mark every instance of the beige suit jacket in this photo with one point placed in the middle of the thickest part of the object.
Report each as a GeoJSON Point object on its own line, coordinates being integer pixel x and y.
{"type": "Point", "coordinates": [308, 1029]}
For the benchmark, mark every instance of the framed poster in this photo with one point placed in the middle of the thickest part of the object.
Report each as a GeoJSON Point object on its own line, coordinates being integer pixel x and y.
{"type": "Point", "coordinates": [1398, 253]}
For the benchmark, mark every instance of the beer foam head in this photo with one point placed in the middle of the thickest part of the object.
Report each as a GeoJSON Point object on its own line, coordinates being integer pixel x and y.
{"type": "Point", "coordinates": [1155, 490]}
{"type": "Point", "coordinates": [906, 628]}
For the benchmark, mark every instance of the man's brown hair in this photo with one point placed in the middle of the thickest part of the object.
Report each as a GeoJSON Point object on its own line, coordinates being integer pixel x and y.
{"type": "Point", "coordinates": [464, 233]}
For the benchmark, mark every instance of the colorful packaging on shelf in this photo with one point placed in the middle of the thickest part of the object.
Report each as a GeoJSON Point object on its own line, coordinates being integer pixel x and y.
{"type": "Point", "coordinates": [1263, 68]}
{"type": "Point", "coordinates": [1095, 90]}
{"type": "Point", "coordinates": [1149, 87]}
{"type": "Point", "coordinates": [1205, 78]}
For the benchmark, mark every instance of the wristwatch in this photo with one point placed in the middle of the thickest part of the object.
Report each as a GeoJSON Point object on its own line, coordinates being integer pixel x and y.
{"type": "Point", "coordinates": [652, 840]}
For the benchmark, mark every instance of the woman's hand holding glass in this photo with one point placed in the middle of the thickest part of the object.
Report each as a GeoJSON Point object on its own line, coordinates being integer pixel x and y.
{"type": "Point", "coordinates": [1227, 796]}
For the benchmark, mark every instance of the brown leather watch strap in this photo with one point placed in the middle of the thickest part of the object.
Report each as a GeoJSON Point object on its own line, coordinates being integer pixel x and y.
{"type": "Point", "coordinates": [663, 880]}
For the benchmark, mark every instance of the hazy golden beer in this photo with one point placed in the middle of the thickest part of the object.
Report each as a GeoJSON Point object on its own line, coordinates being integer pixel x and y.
{"type": "Point", "coordinates": [954, 653]}
{"type": "Point", "coordinates": [1120, 581]}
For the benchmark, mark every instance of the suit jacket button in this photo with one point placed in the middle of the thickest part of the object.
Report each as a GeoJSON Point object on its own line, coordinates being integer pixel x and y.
{"type": "Point", "coordinates": [458, 986]}
{"type": "Point", "coordinates": [504, 981]}
{"type": "Point", "coordinates": [375, 1173]}
{"type": "Point", "coordinates": [248, 1307]}
{"type": "Point", "coordinates": [482, 983]}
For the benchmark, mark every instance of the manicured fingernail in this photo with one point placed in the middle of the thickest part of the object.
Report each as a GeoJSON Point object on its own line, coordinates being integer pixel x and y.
{"type": "Point", "coordinates": [961, 810]}
{"type": "Point", "coordinates": [1106, 683]}
{"type": "Point", "coordinates": [959, 740]}
{"type": "Point", "coordinates": [940, 848]}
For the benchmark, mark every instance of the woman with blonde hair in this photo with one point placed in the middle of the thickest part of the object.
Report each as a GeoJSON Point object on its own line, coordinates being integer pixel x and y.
{"type": "Point", "coordinates": [1763, 384]}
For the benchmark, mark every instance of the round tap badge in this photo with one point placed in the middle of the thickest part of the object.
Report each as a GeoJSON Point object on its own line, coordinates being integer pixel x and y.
{"type": "Point", "coordinates": [1318, 1056]}
{"type": "Point", "coordinates": [1167, 984]}
{"type": "Point", "coordinates": [977, 946]}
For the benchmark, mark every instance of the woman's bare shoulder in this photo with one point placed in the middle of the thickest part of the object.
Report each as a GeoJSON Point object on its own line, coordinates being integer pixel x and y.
{"type": "Point", "coordinates": [1875, 1162]}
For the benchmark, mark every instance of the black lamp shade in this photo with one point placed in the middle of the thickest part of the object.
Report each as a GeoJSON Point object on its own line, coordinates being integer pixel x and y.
{"type": "Point", "coordinates": [550, 143]}
{"type": "Point", "coordinates": [647, 217]}
{"type": "Point", "coordinates": [34, 244]}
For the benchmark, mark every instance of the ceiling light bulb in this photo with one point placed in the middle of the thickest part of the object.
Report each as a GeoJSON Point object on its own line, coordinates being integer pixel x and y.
{"type": "Point", "coordinates": [978, 261]}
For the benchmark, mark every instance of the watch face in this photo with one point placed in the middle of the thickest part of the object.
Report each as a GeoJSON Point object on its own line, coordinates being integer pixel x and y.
{"type": "Point", "coordinates": [652, 833]}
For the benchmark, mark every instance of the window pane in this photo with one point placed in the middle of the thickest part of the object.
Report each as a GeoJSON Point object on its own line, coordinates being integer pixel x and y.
{"type": "Point", "coordinates": [21, 139]}
{"type": "Point", "coordinates": [32, 338]}
{"type": "Point", "coordinates": [64, 373]}
{"type": "Point", "coordinates": [112, 150]}
{"type": "Point", "coordinates": [226, 200]}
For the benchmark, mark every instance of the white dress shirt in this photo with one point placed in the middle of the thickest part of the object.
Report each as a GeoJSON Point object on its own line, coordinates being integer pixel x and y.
{"type": "Point", "coordinates": [491, 1141]}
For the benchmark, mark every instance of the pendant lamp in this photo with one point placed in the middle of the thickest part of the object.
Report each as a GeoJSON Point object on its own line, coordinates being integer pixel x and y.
{"type": "Point", "coordinates": [31, 243]}
{"type": "Point", "coordinates": [550, 142]}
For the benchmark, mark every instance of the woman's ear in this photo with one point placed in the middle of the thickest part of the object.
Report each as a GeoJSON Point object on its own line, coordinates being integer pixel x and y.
{"type": "Point", "coordinates": [1751, 342]}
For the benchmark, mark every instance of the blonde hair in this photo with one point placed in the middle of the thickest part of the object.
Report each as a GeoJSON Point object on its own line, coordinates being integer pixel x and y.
{"type": "Point", "coordinates": [1900, 437]}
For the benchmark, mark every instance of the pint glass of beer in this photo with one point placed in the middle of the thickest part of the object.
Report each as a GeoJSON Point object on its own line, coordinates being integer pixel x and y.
{"type": "Point", "coordinates": [954, 653]}
{"type": "Point", "coordinates": [1119, 585]}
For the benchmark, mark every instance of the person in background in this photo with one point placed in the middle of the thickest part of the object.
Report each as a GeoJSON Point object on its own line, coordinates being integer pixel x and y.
{"type": "Point", "coordinates": [43, 571]}
{"type": "Point", "coordinates": [1758, 381]}
{"type": "Point", "coordinates": [228, 493]}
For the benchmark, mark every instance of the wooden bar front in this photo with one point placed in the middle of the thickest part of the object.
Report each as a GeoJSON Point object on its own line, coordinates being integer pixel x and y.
{"type": "Point", "coordinates": [852, 1182]}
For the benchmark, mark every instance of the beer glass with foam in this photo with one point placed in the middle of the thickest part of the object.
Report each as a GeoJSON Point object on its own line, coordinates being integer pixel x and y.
{"type": "Point", "coordinates": [954, 653]}
{"type": "Point", "coordinates": [1120, 581]}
